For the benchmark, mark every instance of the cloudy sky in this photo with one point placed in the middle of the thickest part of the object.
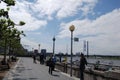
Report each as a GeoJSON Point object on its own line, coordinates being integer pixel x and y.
{"type": "Point", "coordinates": [97, 21]}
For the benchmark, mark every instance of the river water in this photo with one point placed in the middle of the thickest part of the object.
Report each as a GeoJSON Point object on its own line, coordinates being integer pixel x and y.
{"type": "Point", "coordinates": [93, 60]}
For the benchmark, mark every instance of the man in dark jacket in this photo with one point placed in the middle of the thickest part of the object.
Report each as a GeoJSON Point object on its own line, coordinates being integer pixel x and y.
{"type": "Point", "coordinates": [83, 62]}
{"type": "Point", "coordinates": [51, 65]}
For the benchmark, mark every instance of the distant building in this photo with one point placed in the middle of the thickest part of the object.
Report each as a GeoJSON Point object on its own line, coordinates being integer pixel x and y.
{"type": "Point", "coordinates": [49, 53]}
{"type": "Point", "coordinates": [78, 54]}
{"type": "Point", "coordinates": [35, 52]}
{"type": "Point", "coordinates": [45, 53]}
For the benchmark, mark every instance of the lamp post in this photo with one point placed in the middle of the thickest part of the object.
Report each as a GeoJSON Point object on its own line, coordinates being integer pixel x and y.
{"type": "Point", "coordinates": [53, 45]}
{"type": "Point", "coordinates": [32, 50]}
{"type": "Point", "coordinates": [39, 48]}
{"type": "Point", "coordinates": [71, 28]}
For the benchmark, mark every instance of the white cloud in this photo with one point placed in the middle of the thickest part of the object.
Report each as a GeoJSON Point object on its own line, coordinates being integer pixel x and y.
{"type": "Point", "coordinates": [46, 8]}
{"type": "Point", "coordinates": [30, 44]}
{"type": "Point", "coordinates": [20, 12]}
{"type": "Point", "coordinates": [103, 33]}
{"type": "Point", "coordinates": [62, 8]}
{"type": "Point", "coordinates": [33, 33]}
{"type": "Point", "coordinates": [103, 25]}
{"type": "Point", "coordinates": [71, 7]}
{"type": "Point", "coordinates": [2, 5]}
{"type": "Point", "coordinates": [26, 11]}
{"type": "Point", "coordinates": [88, 8]}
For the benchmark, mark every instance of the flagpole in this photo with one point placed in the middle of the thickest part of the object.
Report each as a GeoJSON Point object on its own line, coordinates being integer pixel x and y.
{"type": "Point", "coordinates": [87, 49]}
{"type": "Point", "coordinates": [84, 46]}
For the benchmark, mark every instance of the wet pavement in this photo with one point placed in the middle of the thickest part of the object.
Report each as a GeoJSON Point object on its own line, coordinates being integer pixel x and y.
{"type": "Point", "coordinates": [27, 70]}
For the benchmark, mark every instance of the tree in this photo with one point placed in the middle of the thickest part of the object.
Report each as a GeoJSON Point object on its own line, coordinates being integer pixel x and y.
{"type": "Point", "coordinates": [8, 33]}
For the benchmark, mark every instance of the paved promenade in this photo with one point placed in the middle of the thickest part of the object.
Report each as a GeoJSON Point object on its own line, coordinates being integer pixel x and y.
{"type": "Point", "coordinates": [27, 70]}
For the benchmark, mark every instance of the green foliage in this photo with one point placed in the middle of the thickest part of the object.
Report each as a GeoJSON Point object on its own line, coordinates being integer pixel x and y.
{"type": "Point", "coordinates": [9, 2]}
{"type": "Point", "coordinates": [4, 13]}
{"type": "Point", "coordinates": [9, 35]}
{"type": "Point", "coordinates": [22, 23]}
{"type": "Point", "coordinates": [10, 23]}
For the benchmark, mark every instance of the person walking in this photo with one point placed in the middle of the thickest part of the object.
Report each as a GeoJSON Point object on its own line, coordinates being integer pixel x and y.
{"type": "Point", "coordinates": [54, 62]}
{"type": "Point", "coordinates": [41, 59]}
{"type": "Point", "coordinates": [83, 62]}
{"type": "Point", "coordinates": [34, 58]}
{"type": "Point", "coordinates": [51, 65]}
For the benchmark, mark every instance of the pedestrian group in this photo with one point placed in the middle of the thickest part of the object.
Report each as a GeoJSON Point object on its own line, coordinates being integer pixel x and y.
{"type": "Point", "coordinates": [52, 60]}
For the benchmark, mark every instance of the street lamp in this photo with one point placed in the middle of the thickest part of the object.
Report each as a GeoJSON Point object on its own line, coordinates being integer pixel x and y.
{"type": "Point", "coordinates": [39, 47]}
{"type": "Point", "coordinates": [53, 45]}
{"type": "Point", "coordinates": [32, 50]}
{"type": "Point", "coordinates": [71, 28]}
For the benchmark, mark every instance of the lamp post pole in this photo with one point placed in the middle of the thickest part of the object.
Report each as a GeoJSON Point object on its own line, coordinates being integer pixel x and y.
{"type": "Point", "coordinates": [53, 45]}
{"type": "Point", "coordinates": [39, 48]}
{"type": "Point", "coordinates": [32, 50]}
{"type": "Point", "coordinates": [71, 28]}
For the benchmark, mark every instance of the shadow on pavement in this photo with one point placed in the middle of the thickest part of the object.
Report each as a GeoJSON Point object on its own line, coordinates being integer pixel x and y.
{"type": "Point", "coordinates": [19, 79]}
{"type": "Point", "coordinates": [56, 71]}
{"type": "Point", "coordinates": [25, 79]}
{"type": "Point", "coordinates": [55, 75]}
{"type": "Point", "coordinates": [33, 78]}
{"type": "Point", "coordinates": [28, 69]}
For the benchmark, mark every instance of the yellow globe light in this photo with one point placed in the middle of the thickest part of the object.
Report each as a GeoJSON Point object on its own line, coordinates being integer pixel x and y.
{"type": "Point", "coordinates": [72, 28]}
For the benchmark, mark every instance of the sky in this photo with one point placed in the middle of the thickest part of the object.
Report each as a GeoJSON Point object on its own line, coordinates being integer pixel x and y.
{"type": "Point", "coordinates": [96, 21]}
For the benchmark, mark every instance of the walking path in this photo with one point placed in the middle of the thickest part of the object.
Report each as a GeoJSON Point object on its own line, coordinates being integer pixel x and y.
{"type": "Point", "coordinates": [27, 70]}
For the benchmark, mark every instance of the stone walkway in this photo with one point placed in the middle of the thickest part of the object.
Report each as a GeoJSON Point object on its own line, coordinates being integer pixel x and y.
{"type": "Point", "coordinates": [27, 70]}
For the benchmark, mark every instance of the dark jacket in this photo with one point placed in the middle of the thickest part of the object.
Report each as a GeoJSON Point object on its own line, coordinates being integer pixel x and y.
{"type": "Point", "coordinates": [83, 62]}
{"type": "Point", "coordinates": [50, 62]}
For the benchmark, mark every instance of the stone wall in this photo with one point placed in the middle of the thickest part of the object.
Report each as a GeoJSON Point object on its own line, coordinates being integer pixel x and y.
{"type": "Point", "coordinates": [89, 74]}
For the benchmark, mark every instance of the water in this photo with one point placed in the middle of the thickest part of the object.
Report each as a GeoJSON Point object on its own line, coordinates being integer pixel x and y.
{"type": "Point", "coordinates": [93, 60]}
